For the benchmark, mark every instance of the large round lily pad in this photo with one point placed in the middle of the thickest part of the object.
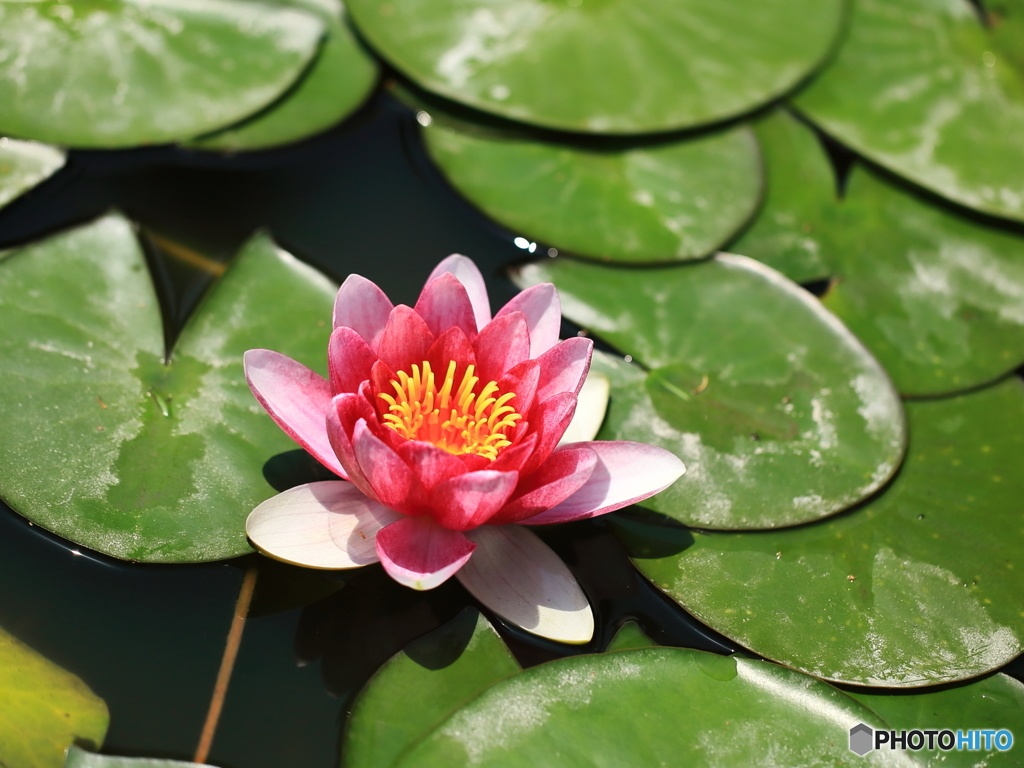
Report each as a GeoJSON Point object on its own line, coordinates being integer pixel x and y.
{"type": "Point", "coordinates": [650, 707]}
{"type": "Point", "coordinates": [23, 164]}
{"type": "Point", "coordinates": [648, 202]}
{"type": "Point", "coordinates": [105, 443]}
{"type": "Point", "coordinates": [118, 73]}
{"type": "Point", "coordinates": [339, 80]}
{"type": "Point", "coordinates": [925, 89]}
{"type": "Point", "coordinates": [937, 298]}
{"type": "Point", "coordinates": [921, 585]}
{"type": "Point", "coordinates": [604, 66]}
{"type": "Point", "coordinates": [778, 412]}
{"type": "Point", "coordinates": [45, 709]}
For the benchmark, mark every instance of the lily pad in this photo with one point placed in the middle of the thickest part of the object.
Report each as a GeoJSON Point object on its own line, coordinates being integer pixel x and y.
{"type": "Point", "coordinates": [105, 443]}
{"type": "Point", "coordinates": [119, 73]}
{"type": "Point", "coordinates": [791, 229]}
{"type": "Point", "coordinates": [45, 708]}
{"type": "Point", "coordinates": [601, 66]}
{"type": "Point", "coordinates": [652, 706]}
{"type": "Point", "coordinates": [923, 88]}
{"type": "Point", "coordinates": [421, 686]}
{"type": "Point", "coordinates": [337, 83]}
{"type": "Point", "coordinates": [919, 586]}
{"type": "Point", "coordinates": [647, 202]}
{"type": "Point", "coordinates": [995, 702]}
{"type": "Point", "coordinates": [23, 164]}
{"type": "Point", "coordinates": [630, 636]}
{"type": "Point", "coordinates": [936, 297]}
{"type": "Point", "coordinates": [80, 758]}
{"type": "Point", "coordinates": [778, 412]}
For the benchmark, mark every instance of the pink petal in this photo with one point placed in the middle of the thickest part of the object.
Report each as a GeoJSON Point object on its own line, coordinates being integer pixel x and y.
{"type": "Point", "coordinates": [517, 576]}
{"type": "Point", "coordinates": [391, 479]}
{"type": "Point", "coordinates": [349, 360]}
{"type": "Point", "coordinates": [564, 473]}
{"type": "Point", "coordinates": [363, 307]}
{"type": "Point", "coordinates": [296, 398]}
{"type": "Point", "coordinates": [320, 525]}
{"type": "Point", "coordinates": [591, 407]}
{"type": "Point", "coordinates": [417, 552]}
{"type": "Point", "coordinates": [564, 367]}
{"type": "Point", "coordinates": [515, 456]}
{"type": "Point", "coordinates": [503, 344]}
{"type": "Point", "coordinates": [467, 273]}
{"type": "Point", "coordinates": [405, 340]}
{"type": "Point", "coordinates": [345, 411]}
{"type": "Point", "coordinates": [522, 380]}
{"type": "Point", "coordinates": [550, 420]}
{"type": "Point", "coordinates": [625, 474]}
{"type": "Point", "coordinates": [431, 464]}
{"type": "Point", "coordinates": [453, 344]}
{"type": "Point", "coordinates": [543, 312]}
{"type": "Point", "coordinates": [444, 304]}
{"type": "Point", "coordinates": [469, 500]}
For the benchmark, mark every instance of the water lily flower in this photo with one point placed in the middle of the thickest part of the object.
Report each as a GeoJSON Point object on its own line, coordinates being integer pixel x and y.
{"type": "Point", "coordinates": [445, 425]}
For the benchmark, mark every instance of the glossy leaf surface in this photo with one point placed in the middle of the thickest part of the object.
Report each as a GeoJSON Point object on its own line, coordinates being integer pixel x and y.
{"type": "Point", "coordinates": [778, 413]}
{"type": "Point", "coordinates": [23, 164]}
{"type": "Point", "coordinates": [648, 707]}
{"type": "Point", "coordinates": [108, 446]}
{"type": "Point", "coordinates": [919, 586]}
{"type": "Point", "coordinates": [119, 73]}
{"type": "Point", "coordinates": [603, 66]}
{"type": "Point", "coordinates": [924, 89]}
{"type": "Point", "coordinates": [668, 201]}
{"type": "Point", "coordinates": [45, 708]}
{"type": "Point", "coordinates": [440, 672]}
{"type": "Point", "coordinates": [339, 80]}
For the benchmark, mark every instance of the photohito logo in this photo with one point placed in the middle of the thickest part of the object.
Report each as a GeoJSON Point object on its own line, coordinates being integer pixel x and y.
{"type": "Point", "coordinates": [864, 738]}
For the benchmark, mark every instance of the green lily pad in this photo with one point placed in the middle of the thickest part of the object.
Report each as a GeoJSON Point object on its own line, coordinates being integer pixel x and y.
{"type": "Point", "coordinates": [628, 637]}
{"type": "Point", "coordinates": [779, 414]}
{"type": "Point", "coordinates": [921, 585]}
{"type": "Point", "coordinates": [650, 202]}
{"type": "Point", "coordinates": [602, 66]}
{"type": "Point", "coordinates": [80, 758]}
{"type": "Point", "coordinates": [104, 443]}
{"type": "Point", "coordinates": [924, 89]}
{"type": "Point", "coordinates": [937, 298]}
{"type": "Point", "coordinates": [421, 686]}
{"type": "Point", "coordinates": [995, 702]}
{"type": "Point", "coordinates": [23, 164]}
{"type": "Point", "coordinates": [649, 707]}
{"type": "Point", "coordinates": [337, 83]}
{"type": "Point", "coordinates": [119, 73]}
{"type": "Point", "coordinates": [791, 229]}
{"type": "Point", "coordinates": [45, 708]}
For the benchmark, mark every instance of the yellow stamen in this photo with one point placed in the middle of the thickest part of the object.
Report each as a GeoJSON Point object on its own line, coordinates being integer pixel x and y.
{"type": "Point", "coordinates": [466, 422]}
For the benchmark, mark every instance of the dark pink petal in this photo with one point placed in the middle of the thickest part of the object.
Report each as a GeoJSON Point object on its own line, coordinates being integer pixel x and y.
{"type": "Point", "coordinates": [296, 398]}
{"type": "Point", "coordinates": [468, 501]}
{"type": "Point", "coordinates": [625, 474]}
{"type": "Point", "coordinates": [363, 307]}
{"type": "Point", "coordinates": [472, 462]}
{"type": "Point", "coordinates": [444, 304]}
{"type": "Point", "coordinates": [502, 345]}
{"type": "Point", "coordinates": [406, 340]}
{"type": "Point", "coordinates": [450, 345]}
{"type": "Point", "coordinates": [521, 579]}
{"type": "Point", "coordinates": [344, 413]}
{"type": "Point", "coordinates": [563, 368]}
{"type": "Point", "coordinates": [550, 419]}
{"type": "Point", "coordinates": [429, 463]}
{"type": "Point", "coordinates": [523, 381]}
{"type": "Point", "coordinates": [543, 312]}
{"type": "Point", "coordinates": [391, 479]}
{"type": "Point", "coordinates": [564, 473]}
{"type": "Point", "coordinates": [381, 377]}
{"type": "Point", "coordinates": [349, 360]}
{"type": "Point", "coordinates": [515, 456]}
{"type": "Point", "coordinates": [419, 553]}
{"type": "Point", "coordinates": [466, 272]}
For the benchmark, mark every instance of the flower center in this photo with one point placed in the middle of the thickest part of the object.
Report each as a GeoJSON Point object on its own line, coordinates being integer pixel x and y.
{"type": "Point", "coordinates": [458, 420]}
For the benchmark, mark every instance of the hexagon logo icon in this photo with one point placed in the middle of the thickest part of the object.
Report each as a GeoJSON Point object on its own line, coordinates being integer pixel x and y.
{"type": "Point", "coordinates": [861, 739]}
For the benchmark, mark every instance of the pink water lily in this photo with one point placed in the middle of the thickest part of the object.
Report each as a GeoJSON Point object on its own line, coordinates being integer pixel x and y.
{"type": "Point", "coordinates": [445, 424]}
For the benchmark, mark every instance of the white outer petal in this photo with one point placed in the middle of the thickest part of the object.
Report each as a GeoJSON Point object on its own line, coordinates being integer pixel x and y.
{"type": "Point", "coordinates": [591, 406]}
{"type": "Point", "coordinates": [329, 524]}
{"type": "Point", "coordinates": [521, 579]}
